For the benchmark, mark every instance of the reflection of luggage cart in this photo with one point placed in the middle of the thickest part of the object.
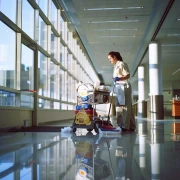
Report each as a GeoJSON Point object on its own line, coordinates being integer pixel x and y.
{"type": "Point", "coordinates": [84, 152]}
{"type": "Point", "coordinates": [85, 113]}
{"type": "Point", "coordinates": [89, 163]}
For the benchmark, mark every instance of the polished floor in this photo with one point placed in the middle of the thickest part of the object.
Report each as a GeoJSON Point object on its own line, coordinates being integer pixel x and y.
{"type": "Point", "coordinates": [151, 152]}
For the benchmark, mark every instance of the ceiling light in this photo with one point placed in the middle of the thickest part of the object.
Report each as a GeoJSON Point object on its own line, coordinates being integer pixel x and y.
{"type": "Point", "coordinates": [175, 71]}
{"type": "Point", "coordinates": [114, 29]}
{"type": "Point", "coordinates": [170, 45]}
{"type": "Point", "coordinates": [104, 9]}
{"type": "Point", "coordinates": [115, 36]}
{"type": "Point", "coordinates": [173, 35]}
{"type": "Point", "coordinates": [93, 42]}
{"type": "Point", "coordinates": [96, 22]}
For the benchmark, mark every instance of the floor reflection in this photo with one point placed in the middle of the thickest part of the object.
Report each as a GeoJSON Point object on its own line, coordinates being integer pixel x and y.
{"type": "Point", "coordinates": [151, 152]}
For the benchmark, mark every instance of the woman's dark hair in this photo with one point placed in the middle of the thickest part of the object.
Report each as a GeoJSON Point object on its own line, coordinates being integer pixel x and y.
{"type": "Point", "coordinates": [115, 54]}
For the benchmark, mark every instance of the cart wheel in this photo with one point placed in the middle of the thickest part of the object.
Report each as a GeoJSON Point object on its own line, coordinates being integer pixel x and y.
{"type": "Point", "coordinates": [74, 130]}
{"type": "Point", "coordinates": [89, 130]}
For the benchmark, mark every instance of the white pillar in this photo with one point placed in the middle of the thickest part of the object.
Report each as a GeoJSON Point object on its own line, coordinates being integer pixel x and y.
{"type": "Point", "coordinates": [155, 69]}
{"type": "Point", "coordinates": [141, 91]}
{"type": "Point", "coordinates": [142, 108]}
{"type": "Point", "coordinates": [155, 82]}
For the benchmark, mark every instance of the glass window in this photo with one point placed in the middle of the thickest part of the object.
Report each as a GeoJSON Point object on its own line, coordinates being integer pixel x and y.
{"type": "Point", "coordinates": [73, 91]}
{"type": "Point", "coordinates": [63, 89]}
{"type": "Point", "coordinates": [64, 106]}
{"type": "Point", "coordinates": [65, 57]}
{"type": "Point", "coordinates": [53, 80]}
{"type": "Point", "coordinates": [53, 45]}
{"type": "Point", "coordinates": [61, 53]}
{"type": "Point", "coordinates": [7, 56]}
{"type": "Point", "coordinates": [27, 100]}
{"type": "Point", "coordinates": [42, 74]}
{"type": "Point", "coordinates": [69, 87]}
{"type": "Point", "coordinates": [44, 104]}
{"type": "Point", "coordinates": [8, 98]}
{"type": "Point", "coordinates": [56, 105]}
{"type": "Point", "coordinates": [27, 19]}
{"type": "Point", "coordinates": [73, 66]}
{"type": "Point", "coordinates": [70, 107]}
{"type": "Point", "coordinates": [42, 33]}
{"type": "Point", "coordinates": [61, 24]}
{"type": "Point", "coordinates": [40, 103]}
{"type": "Point", "coordinates": [69, 61]}
{"type": "Point", "coordinates": [9, 9]}
{"type": "Point", "coordinates": [54, 15]}
{"type": "Point", "coordinates": [60, 83]}
{"type": "Point", "coordinates": [27, 68]}
{"type": "Point", "coordinates": [43, 4]}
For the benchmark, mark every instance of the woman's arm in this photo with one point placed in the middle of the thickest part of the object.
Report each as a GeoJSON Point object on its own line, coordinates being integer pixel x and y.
{"type": "Point", "coordinates": [122, 78]}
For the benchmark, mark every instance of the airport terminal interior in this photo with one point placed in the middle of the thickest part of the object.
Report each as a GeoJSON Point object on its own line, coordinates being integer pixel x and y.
{"type": "Point", "coordinates": [56, 89]}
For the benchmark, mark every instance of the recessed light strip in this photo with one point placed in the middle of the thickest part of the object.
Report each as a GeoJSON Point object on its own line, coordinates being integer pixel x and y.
{"type": "Point", "coordinates": [114, 29]}
{"type": "Point", "coordinates": [104, 9]}
{"type": "Point", "coordinates": [122, 21]}
{"type": "Point", "coordinates": [176, 71]}
{"type": "Point", "coordinates": [173, 35]}
{"type": "Point", "coordinates": [114, 36]}
{"type": "Point", "coordinates": [170, 45]}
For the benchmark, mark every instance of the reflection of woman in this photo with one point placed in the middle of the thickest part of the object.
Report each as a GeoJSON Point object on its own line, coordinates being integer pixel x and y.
{"type": "Point", "coordinates": [124, 157]}
{"type": "Point", "coordinates": [121, 75]}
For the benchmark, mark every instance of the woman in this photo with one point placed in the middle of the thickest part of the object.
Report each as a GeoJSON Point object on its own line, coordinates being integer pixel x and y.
{"type": "Point", "coordinates": [121, 74]}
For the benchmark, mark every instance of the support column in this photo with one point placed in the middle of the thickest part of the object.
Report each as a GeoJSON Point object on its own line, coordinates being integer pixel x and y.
{"type": "Point", "coordinates": [155, 82]}
{"type": "Point", "coordinates": [142, 104]}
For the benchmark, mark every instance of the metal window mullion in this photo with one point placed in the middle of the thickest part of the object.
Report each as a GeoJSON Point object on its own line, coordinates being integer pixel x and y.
{"type": "Point", "coordinates": [48, 76]}
{"type": "Point", "coordinates": [58, 67]}
{"type": "Point", "coordinates": [36, 25]}
{"type": "Point", "coordinates": [49, 10]}
{"type": "Point", "coordinates": [58, 21]}
{"type": "Point", "coordinates": [19, 14]}
{"type": "Point", "coordinates": [58, 49]}
{"type": "Point", "coordinates": [57, 86]}
{"type": "Point", "coordinates": [18, 61]}
{"type": "Point", "coordinates": [36, 88]}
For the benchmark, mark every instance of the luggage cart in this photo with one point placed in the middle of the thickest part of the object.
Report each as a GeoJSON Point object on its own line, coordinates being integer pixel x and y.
{"type": "Point", "coordinates": [85, 113]}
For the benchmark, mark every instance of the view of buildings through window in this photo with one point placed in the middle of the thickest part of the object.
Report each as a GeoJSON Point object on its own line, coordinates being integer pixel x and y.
{"type": "Point", "coordinates": [37, 27]}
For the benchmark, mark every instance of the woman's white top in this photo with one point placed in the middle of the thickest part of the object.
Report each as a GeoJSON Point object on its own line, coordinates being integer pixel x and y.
{"type": "Point", "coordinates": [121, 69]}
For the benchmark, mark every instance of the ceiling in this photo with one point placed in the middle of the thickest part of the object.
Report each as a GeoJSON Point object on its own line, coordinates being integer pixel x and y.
{"type": "Point", "coordinates": [128, 29]}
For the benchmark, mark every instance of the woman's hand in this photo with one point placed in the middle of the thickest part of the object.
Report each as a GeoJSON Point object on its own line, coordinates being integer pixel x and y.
{"type": "Point", "coordinates": [116, 79]}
